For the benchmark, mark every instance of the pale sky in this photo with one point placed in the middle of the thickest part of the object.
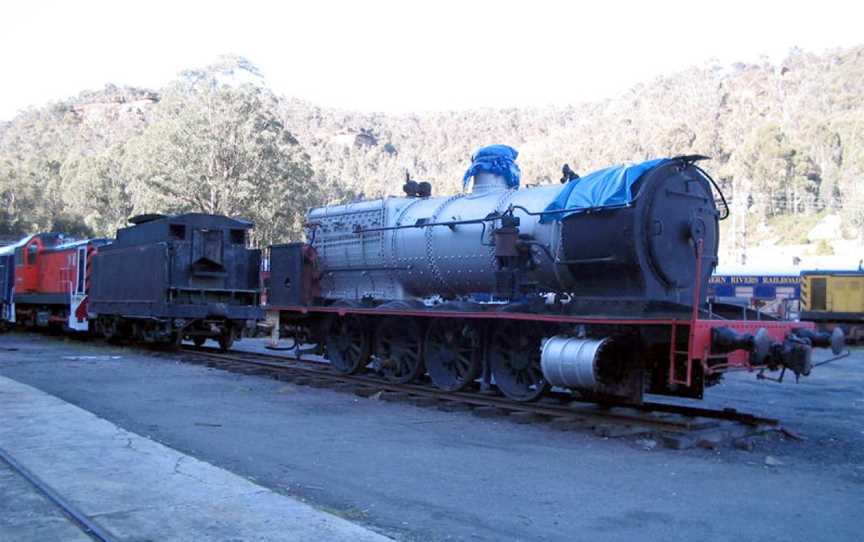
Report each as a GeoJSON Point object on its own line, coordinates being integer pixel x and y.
{"type": "Point", "coordinates": [403, 56]}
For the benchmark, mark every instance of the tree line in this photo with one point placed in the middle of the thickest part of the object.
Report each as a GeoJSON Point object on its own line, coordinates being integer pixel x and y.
{"type": "Point", "coordinates": [785, 140]}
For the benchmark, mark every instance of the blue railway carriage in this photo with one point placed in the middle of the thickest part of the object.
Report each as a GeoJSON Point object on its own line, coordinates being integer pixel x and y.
{"type": "Point", "coordinates": [776, 292]}
{"type": "Point", "coordinates": [169, 278]}
{"type": "Point", "coordinates": [7, 283]}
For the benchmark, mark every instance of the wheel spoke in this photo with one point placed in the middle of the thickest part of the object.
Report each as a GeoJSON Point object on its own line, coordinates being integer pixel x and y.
{"type": "Point", "coordinates": [347, 344]}
{"type": "Point", "coordinates": [463, 364]}
{"type": "Point", "coordinates": [398, 345]}
{"type": "Point", "coordinates": [515, 361]}
{"type": "Point", "coordinates": [449, 354]}
{"type": "Point", "coordinates": [535, 375]}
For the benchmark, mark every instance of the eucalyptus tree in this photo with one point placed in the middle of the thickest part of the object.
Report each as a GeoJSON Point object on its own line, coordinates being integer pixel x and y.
{"type": "Point", "coordinates": [218, 144]}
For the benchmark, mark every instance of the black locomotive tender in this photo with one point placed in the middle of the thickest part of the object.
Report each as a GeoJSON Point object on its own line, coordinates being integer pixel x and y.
{"type": "Point", "coordinates": [481, 288]}
{"type": "Point", "coordinates": [169, 278]}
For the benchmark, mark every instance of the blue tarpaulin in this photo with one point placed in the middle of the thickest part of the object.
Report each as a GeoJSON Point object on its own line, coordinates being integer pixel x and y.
{"type": "Point", "coordinates": [495, 159]}
{"type": "Point", "coordinates": [603, 188]}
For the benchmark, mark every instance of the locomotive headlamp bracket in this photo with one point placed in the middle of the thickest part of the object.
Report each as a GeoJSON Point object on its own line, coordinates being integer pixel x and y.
{"type": "Point", "coordinates": [697, 228]}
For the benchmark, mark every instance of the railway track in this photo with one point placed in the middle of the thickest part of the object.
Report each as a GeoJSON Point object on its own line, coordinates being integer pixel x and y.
{"type": "Point", "coordinates": [676, 426]}
{"type": "Point", "coordinates": [81, 520]}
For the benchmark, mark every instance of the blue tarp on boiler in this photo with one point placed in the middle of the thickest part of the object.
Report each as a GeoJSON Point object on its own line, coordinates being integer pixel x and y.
{"type": "Point", "coordinates": [498, 160]}
{"type": "Point", "coordinates": [603, 188]}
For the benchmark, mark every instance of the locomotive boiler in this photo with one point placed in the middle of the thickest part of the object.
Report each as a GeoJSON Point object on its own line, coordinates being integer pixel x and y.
{"type": "Point", "coordinates": [597, 286]}
{"type": "Point", "coordinates": [508, 242]}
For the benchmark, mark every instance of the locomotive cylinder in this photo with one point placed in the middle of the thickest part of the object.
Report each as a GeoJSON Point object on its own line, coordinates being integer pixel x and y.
{"type": "Point", "coordinates": [571, 362]}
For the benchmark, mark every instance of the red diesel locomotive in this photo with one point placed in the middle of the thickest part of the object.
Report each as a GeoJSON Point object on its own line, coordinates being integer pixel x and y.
{"type": "Point", "coordinates": [49, 275]}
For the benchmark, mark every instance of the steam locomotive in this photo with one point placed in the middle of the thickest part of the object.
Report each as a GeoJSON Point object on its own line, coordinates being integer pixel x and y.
{"type": "Point", "coordinates": [597, 286]}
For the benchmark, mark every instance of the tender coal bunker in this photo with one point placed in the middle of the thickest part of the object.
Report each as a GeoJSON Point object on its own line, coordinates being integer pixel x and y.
{"type": "Point", "coordinates": [207, 245]}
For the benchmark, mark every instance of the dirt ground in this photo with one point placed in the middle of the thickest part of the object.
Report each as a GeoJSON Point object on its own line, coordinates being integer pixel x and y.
{"type": "Point", "coordinates": [423, 474]}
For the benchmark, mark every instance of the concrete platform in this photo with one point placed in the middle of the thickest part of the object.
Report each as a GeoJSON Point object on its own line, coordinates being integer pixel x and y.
{"type": "Point", "coordinates": [133, 487]}
{"type": "Point", "coordinates": [422, 474]}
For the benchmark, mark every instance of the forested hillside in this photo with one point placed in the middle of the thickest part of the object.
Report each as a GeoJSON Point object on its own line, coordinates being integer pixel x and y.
{"type": "Point", "coordinates": [786, 142]}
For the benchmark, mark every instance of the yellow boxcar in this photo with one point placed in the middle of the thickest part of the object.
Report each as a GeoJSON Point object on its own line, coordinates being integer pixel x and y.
{"type": "Point", "coordinates": [834, 298]}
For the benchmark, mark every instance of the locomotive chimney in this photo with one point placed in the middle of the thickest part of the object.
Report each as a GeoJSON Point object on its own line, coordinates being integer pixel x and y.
{"type": "Point", "coordinates": [488, 182]}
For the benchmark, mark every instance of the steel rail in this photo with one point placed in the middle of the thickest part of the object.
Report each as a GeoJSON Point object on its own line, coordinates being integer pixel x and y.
{"type": "Point", "coordinates": [601, 410]}
{"type": "Point", "coordinates": [80, 519]}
